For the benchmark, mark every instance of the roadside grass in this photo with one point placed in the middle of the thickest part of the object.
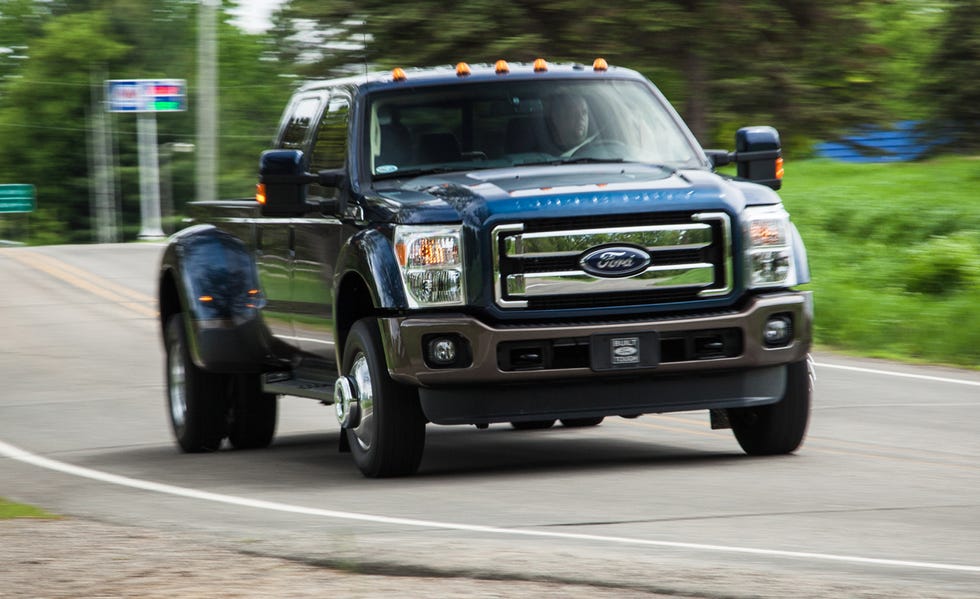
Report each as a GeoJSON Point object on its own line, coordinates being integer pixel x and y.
{"type": "Point", "coordinates": [10, 510]}
{"type": "Point", "coordinates": [894, 254]}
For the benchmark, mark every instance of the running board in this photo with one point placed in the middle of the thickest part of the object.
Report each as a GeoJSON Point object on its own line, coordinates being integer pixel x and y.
{"type": "Point", "coordinates": [281, 383]}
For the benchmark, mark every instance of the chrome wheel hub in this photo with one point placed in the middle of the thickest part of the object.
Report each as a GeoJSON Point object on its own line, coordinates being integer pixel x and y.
{"type": "Point", "coordinates": [360, 374]}
{"type": "Point", "coordinates": [177, 387]}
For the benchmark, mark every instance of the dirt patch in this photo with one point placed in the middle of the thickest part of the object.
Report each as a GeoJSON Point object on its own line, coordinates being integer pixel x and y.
{"type": "Point", "coordinates": [75, 558]}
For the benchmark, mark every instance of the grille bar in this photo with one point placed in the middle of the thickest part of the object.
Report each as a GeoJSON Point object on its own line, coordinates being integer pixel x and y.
{"type": "Point", "coordinates": [543, 284]}
{"type": "Point", "coordinates": [691, 259]}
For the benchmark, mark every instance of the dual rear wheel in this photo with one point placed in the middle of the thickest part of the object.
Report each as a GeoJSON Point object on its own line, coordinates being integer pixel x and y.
{"type": "Point", "coordinates": [206, 407]}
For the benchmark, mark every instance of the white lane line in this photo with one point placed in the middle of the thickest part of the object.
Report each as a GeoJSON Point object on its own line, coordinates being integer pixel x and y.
{"type": "Point", "coordinates": [23, 456]}
{"type": "Point", "coordinates": [906, 375]}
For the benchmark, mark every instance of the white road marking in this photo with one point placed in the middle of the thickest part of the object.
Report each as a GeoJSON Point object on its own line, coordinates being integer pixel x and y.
{"type": "Point", "coordinates": [907, 375]}
{"type": "Point", "coordinates": [20, 455]}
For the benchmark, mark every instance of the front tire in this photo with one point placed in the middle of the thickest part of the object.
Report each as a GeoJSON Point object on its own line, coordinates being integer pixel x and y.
{"type": "Point", "coordinates": [780, 427]}
{"type": "Point", "coordinates": [196, 399]}
{"type": "Point", "coordinates": [389, 438]}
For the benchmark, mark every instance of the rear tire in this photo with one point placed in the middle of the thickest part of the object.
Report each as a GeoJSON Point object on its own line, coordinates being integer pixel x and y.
{"type": "Point", "coordinates": [252, 417]}
{"type": "Point", "coordinates": [533, 425]}
{"type": "Point", "coordinates": [780, 427]}
{"type": "Point", "coordinates": [389, 439]}
{"type": "Point", "coordinates": [581, 422]}
{"type": "Point", "coordinates": [196, 399]}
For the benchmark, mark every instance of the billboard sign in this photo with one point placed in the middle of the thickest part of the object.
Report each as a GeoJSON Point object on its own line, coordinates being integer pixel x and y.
{"type": "Point", "coordinates": [146, 95]}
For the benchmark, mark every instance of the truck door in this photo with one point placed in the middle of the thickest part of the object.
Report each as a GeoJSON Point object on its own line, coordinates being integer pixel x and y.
{"type": "Point", "coordinates": [275, 236]}
{"type": "Point", "coordinates": [318, 242]}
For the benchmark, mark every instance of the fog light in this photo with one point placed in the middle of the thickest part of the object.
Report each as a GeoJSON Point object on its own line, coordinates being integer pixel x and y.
{"type": "Point", "coordinates": [778, 331]}
{"type": "Point", "coordinates": [442, 351]}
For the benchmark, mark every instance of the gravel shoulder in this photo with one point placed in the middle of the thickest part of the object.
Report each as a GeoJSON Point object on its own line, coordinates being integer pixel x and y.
{"type": "Point", "coordinates": [78, 558]}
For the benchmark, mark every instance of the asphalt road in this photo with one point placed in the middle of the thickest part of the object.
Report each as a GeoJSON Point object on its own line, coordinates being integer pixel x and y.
{"type": "Point", "coordinates": [883, 499]}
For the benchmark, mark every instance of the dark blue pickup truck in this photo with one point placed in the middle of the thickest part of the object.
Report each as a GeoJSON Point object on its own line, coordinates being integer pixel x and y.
{"type": "Point", "coordinates": [523, 244]}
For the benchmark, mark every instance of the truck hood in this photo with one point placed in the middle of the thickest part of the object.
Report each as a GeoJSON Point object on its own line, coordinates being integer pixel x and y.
{"type": "Point", "coordinates": [513, 194]}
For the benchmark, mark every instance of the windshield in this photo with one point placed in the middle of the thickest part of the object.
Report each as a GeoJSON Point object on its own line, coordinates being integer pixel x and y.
{"type": "Point", "coordinates": [493, 125]}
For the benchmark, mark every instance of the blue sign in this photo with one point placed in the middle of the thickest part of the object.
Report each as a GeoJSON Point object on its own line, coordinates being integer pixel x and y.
{"type": "Point", "coordinates": [146, 95]}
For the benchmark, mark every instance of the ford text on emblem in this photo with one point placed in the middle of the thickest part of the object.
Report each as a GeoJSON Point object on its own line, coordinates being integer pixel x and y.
{"type": "Point", "coordinates": [616, 261]}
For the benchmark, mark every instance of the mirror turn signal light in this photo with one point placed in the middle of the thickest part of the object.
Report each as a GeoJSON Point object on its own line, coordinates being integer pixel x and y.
{"type": "Point", "coordinates": [260, 193]}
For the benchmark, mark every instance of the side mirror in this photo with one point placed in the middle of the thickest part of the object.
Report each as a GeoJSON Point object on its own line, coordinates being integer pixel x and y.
{"type": "Point", "coordinates": [759, 156]}
{"type": "Point", "coordinates": [282, 183]}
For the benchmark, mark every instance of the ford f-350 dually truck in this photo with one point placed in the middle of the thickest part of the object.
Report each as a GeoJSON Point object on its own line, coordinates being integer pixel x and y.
{"type": "Point", "coordinates": [507, 243]}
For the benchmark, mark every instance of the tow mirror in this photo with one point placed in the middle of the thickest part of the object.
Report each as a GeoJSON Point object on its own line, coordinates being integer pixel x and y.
{"type": "Point", "coordinates": [758, 156]}
{"type": "Point", "coordinates": [282, 183]}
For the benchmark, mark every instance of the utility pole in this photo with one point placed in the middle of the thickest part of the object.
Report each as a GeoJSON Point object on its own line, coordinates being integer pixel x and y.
{"type": "Point", "coordinates": [207, 94]}
{"type": "Point", "coordinates": [104, 204]}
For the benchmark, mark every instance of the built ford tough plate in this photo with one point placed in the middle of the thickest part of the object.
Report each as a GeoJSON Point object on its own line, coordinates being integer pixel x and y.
{"type": "Point", "coordinates": [500, 243]}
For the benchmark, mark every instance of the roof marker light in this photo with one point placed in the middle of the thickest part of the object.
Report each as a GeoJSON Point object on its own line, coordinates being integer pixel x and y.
{"type": "Point", "coordinates": [501, 67]}
{"type": "Point", "coordinates": [398, 74]}
{"type": "Point", "coordinates": [600, 65]}
{"type": "Point", "coordinates": [540, 65]}
{"type": "Point", "coordinates": [462, 69]}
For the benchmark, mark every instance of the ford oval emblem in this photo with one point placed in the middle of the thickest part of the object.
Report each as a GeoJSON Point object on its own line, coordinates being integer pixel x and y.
{"type": "Point", "coordinates": [615, 261]}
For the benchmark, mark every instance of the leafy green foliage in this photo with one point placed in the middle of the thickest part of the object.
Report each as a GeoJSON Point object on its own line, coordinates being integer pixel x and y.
{"type": "Point", "coordinates": [893, 252]}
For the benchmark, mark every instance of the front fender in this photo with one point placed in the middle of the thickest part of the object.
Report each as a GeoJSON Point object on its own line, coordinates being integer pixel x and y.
{"type": "Point", "coordinates": [370, 254]}
{"type": "Point", "coordinates": [217, 289]}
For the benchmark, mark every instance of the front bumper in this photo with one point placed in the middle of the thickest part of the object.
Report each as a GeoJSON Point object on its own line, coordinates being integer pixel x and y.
{"type": "Point", "coordinates": [403, 341]}
{"type": "Point", "coordinates": [745, 372]}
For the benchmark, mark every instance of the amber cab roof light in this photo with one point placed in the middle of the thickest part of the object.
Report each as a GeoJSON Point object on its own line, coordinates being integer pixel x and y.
{"type": "Point", "coordinates": [600, 65]}
{"type": "Point", "coordinates": [501, 67]}
{"type": "Point", "coordinates": [398, 74]}
{"type": "Point", "coordinates": [462, 69]}
{"type": "Point", "coordinates": [540, 65]}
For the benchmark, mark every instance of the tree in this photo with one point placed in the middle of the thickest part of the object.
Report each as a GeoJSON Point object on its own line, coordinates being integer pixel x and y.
{"type": "Point", "coordinates": [800, 65]}
{"type": "Point", "coordinates": [43, 117]}
{"type": "Point", "coordinates": [69, 47]}
{"type": "Point", "coordinates": [952, 83]}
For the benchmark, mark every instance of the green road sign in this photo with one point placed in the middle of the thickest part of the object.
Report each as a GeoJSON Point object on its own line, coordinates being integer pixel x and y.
{"type": "Point", "coordinates": [16, 197]}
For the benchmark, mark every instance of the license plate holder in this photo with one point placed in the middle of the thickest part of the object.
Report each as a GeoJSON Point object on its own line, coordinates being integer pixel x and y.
{"type": "Point", "coordinates": [624, 351]}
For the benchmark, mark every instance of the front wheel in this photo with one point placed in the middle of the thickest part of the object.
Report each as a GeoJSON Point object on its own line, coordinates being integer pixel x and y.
{"type": "Point", "coordinates": [196, 398]}
{"type": "Point", "coordinates": [780, 427]}
{"type": "Point", "coordinates": [389, 436]}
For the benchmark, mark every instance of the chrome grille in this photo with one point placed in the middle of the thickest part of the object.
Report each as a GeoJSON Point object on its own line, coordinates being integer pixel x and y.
{"type": "Point", "coordinates": [536, 265]}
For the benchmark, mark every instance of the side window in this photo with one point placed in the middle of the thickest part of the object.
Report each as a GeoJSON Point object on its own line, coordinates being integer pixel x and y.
{"type": "Point", "coordinates": [303, 114]}
{"type": "Point", "coordinates": [330, 148]}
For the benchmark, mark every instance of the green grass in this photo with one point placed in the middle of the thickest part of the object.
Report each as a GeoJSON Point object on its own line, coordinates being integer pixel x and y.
{"type": "Point", "coordinates": [894, 254]}
{"type": "Point", "coordinates": [10, 510]}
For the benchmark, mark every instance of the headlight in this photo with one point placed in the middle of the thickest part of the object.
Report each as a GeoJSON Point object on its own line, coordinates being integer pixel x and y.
{"type": "Point", "coordinates": [431, 262]}
{"type": "Point", "coordinates": [769, 260]}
